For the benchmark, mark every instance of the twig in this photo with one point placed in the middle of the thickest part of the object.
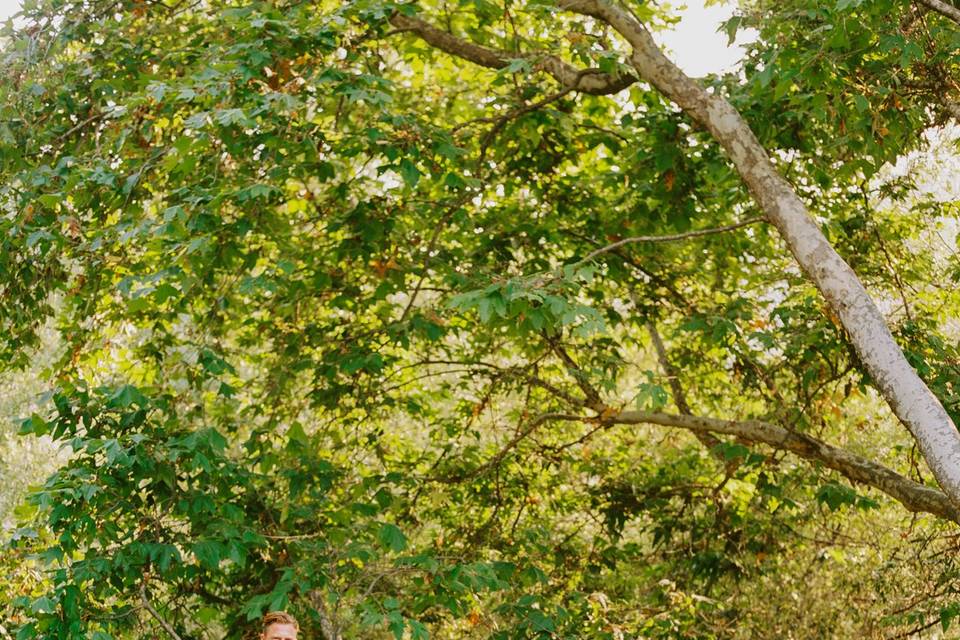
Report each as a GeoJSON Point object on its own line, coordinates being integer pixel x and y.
{"type": "Point", "coordinates": [593, 399]}
{"type": "Point", "coordinates": [513, 113]}
{"type": "Point", "coordinates": [532, 426]}
{"type": "Point", "coordinates": [502, 121]}
{"type": "Point", "coordinates": [679, 397]}
{"type": "Point", "coordinates": [431, 245]}
{"type": "Point", "coordinates": [149, 607]}
{"type": "Point", "coordinates": [671, 238]}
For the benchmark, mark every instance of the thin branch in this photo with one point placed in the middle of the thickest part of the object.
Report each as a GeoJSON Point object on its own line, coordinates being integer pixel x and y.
{"type": "Point", "coordinates": [431, 245]}
{"type": "Point", "coordinates": [679, 397]}
{"type": "Point", "coordinates": [501, 122]}
{"type": "Point", "coordinates": [671, 238]}
{"type": "Point", "coordinates": [153, 612]}
{"type": "Point", "coordinates": [916, 630]}
{"type": "Point", "coordinates": [611, 132]}
{"type": "Point", "coordinates": [521, 435]}
{"type": "Point", "coordinates": [514, 113]}
{"type": "Point", "coordinates": [593, 399]}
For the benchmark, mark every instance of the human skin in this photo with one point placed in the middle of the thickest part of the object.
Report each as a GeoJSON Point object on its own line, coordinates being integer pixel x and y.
{"type": "Point", "coordinates": [280, 632]}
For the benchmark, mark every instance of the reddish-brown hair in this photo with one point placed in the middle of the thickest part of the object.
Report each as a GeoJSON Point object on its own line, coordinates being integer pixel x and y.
{"type": "Point", "coordinates": [279, 617]}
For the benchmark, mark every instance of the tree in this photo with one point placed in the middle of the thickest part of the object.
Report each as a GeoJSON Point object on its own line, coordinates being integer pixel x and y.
{"type": "Point", "coordinates": [357, 300]}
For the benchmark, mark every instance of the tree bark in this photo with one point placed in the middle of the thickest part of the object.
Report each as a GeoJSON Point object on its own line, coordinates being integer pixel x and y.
{"type": "Point", "coordinates": [909, 398]}
{"type": "Point", "coordinates": [943, 8]}
{"type": "Point", "coordinates": [914, 496]}
{"type": "Point", "coordinates": [591, 81]}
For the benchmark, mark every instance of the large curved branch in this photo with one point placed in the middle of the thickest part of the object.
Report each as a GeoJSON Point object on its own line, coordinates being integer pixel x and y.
{"type": "Point", "coordinates": [943, 9]}
{"type": "Point", "coordinates": [909, 398]}
{"type": "Point", "coordinates": [591, 81]}
{"type": "Point", "coordinates": [912, 495]}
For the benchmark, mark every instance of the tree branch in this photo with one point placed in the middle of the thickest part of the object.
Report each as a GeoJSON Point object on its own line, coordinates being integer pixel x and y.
{"type": "Point", "coordinates": [916, 497]}
{"type": "Point", "coordinates": [907, 395]}
{"type": "Point", "coordinates": [153, 612]}
{"type": "Point", "coordinates": [501, 122]}
{"type": "Point", "coordinates": [519, 437]}
{"type": "Point", "coordinates": [952, 108]}
{"type": "Point", "coordinates": [943, 9]}
{"type": "Point", "coordinates": [670, 238]}
{"type": "Point", "coordinates": [591, 395]}
{"type": "Point", "coordinates": [679, 397]}
{"type": "Point", "coordinates": [592, 81]}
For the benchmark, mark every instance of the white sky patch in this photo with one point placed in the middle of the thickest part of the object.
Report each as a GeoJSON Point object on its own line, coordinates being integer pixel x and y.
{"type": "Point", "coordinates": [696, 45]}
{"type": "Point", "coordinates": [8, 8]}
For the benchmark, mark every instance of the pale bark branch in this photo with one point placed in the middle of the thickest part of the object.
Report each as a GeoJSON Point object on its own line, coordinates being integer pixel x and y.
{"type": "Point", "coordinates": [943, 9]}
{"type": "Point", "coordinates": [913, 495]}
{"type": "Point", "coordinates": [909, 398]}
{"type": "Point", "coordinates": [697, 233]}
{"type": "Point", "coordinates": [592, 81]}
{"type": "Point", "coordinates": [916, 497]}
{"type": "Point", "coordinates": [953, 108]}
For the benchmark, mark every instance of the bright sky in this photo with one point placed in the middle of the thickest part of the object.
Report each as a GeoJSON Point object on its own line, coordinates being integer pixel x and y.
{"type": "Point", "coordinates": [8, 8]}
{"type": "Point", "coordinates": [695, 44]}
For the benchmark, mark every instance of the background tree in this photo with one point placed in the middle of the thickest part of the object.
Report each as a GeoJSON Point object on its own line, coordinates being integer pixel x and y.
{"type": "Point", "coordinates": [403, 316]}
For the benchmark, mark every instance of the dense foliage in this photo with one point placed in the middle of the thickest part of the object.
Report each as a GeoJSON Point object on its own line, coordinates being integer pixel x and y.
{"type": "Point", "coordinates": [344, 322]}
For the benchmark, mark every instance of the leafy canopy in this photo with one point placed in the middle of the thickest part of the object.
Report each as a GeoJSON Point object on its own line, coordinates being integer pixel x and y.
{"type": "Point", "coordinates": [320, 285]}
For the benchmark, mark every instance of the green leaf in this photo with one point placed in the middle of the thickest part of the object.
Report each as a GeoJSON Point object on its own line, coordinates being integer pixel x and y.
{"type": "Point", "coordinates": [34, 425]}
{"type": "Point", "coordinates": [206, 615]}
{"type": "Point", "coordinates": [910, 54]}
{"type": "Point", "coordinates": [730, 27]}
{"type": "Point", "coordinates": [214, 364]}
{"type": "Point", "coordinates": [409, 172]}
{"type": "Point", "coordinates": [164, 292]}
{"type": "Point", "coordinates": [843, 5]}
{"type": "Point", "coordinates": [297, 435]}
{"type": "Point", "coordinates": [208, 553]}
{"type": "Point", "coordinates": [861, 103]}
{"type": "Point", "coordinates": [127, 396]}
{"type": "Point", "coordinates": [948, 614]}
{"type": "Point", "coordinates": [392, 537]}
{"type": "Point", "coordinates": [518, 65]}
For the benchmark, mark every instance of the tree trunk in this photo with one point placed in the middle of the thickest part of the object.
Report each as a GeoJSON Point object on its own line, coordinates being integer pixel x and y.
{"type": "Point", "coordinates": [908, 396]}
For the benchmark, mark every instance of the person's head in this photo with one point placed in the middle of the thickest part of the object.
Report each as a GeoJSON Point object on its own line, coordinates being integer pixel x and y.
{"type": "Point", "coordinates": [279, 625]}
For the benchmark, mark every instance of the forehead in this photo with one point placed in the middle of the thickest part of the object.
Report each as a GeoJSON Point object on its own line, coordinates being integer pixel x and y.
{"type": "Point", "coordinates": [278, 631]}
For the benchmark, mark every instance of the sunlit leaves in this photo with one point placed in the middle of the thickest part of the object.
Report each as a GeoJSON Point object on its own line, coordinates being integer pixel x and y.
{"type": "Point", "coordinates": [316, 282]}
{"type": "Point", "coordinates": [538, 303]}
